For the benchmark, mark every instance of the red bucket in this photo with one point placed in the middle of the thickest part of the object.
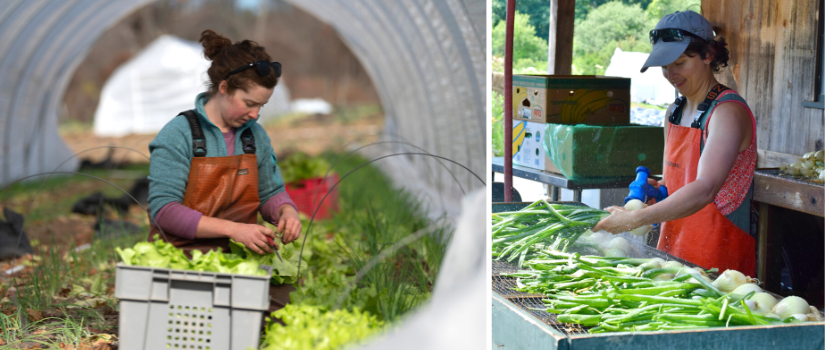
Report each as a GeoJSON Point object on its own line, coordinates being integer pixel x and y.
{"type": "Point", "coordinates": [307, 195]}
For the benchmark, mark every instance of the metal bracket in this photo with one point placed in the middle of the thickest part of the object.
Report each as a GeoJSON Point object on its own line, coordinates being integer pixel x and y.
{"type": "Point", "coordinates": [819, 103]}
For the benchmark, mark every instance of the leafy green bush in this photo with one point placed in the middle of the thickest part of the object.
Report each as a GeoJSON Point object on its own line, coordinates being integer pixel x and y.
{"type": "Point", "coordinates": [310, 327]}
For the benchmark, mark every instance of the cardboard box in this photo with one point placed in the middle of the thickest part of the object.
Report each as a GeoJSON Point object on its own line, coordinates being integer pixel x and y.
{"type": "Point", "coordinates": [527, 146]}
{"type": "Point", "coordinates": [571, 99]}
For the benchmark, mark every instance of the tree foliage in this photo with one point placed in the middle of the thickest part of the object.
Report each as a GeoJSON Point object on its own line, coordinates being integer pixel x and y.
{"type": "Point", "coordinates": [537, 10]}
{"type": "Point", "coordinates": [528, 49]}
{"type": "Point", "coordinates": [601, 26]}
{"type": "Point", "coordinates": [584, 7]}
{"type": "Point", "coordinates": [607, 27]}
{"type": "Point", "coordinates": [659, 8]}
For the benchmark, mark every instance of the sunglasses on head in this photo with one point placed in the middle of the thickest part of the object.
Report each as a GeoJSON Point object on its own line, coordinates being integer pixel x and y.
{"type": "Point", "coordinates": [670, 35]}
{"type": "Point", "coordinates": [262, 67]}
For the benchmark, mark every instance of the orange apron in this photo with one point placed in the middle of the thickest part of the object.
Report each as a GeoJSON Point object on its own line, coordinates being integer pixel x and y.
{"type": "Point", "coordinates": [706, 238]}
{"type": "Point", "coordinates": [219, 187]}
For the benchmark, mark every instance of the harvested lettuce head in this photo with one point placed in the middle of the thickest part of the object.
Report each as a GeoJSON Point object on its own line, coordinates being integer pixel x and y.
{"type": "Point", "coordinates": [161, 254]}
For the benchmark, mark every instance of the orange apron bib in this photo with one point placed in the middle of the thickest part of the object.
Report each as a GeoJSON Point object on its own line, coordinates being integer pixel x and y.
{"type": "Point", "coordinates": [706, 238]}
{"type": "Point", "coordinates": [219, 187]}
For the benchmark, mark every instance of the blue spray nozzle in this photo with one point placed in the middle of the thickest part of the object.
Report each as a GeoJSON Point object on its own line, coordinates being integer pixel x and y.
{"type": "Point", "coordinates": [641, 190]}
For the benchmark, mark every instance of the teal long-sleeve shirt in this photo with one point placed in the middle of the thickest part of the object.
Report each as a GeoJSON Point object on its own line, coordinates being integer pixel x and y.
{"type": "Point", "coordinates": [171, 156]}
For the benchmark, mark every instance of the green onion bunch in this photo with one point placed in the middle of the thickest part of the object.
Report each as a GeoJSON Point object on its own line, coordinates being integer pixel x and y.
{"type": "Point", "coordinates": [518, 234]}
{"type": "Point", "coordinates": [623, 294]}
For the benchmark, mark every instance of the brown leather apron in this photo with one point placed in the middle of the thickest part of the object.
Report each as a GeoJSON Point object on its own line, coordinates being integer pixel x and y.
{"type": "Point", "coordinates": [224, 188]}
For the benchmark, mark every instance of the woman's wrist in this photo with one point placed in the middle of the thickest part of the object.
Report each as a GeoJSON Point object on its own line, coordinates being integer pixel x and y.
{"type": "Point", "coordinates": [639, 217]}
{"type": "Point", "coordinates": [285, 209]}
{"type": "Point", "coordinates": [210, 227]}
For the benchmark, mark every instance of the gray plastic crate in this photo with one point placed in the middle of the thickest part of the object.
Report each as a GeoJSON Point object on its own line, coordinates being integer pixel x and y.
{"type": "Point", "coordinates": [180, 309]}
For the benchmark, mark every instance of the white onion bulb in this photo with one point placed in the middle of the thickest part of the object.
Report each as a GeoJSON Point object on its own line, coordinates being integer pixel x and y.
{"type": "Point", "coordinates": [619, 243]}
{"type": "Point", "coordinates": [790, 306]}
{"type": "Point", "coordinates": [651, 264]}
{"type": "Point", "coordinates": [635, 204]}
{"type": "Point", "coordinates": [800, 317]}
{"type": "Point", "coordinates": [764, 302]}
{"type": "Point", "coordinates": [746, 288]}
{"type": "Point", "coordinates": [672, 264]}
{"type": "Point", "coordinates": [664, 277]}
{"type": "Point", "coordinates": [598, 237]}
{"type": "Point", "coordinates": [729, 280]}
{"type": "Point", "coordinates": [614, 253]}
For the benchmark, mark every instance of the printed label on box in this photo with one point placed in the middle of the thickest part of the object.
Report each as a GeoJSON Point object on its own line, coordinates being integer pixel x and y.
{"type": "Point", "coordinates": [527, 144]}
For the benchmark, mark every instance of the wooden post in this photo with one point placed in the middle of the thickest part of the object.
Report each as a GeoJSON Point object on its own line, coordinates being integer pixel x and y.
{"type": "Point", "coordinates": [560, 43]}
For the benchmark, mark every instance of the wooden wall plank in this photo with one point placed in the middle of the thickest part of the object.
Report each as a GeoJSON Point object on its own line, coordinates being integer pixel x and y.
{"type": "Point", "coordinates": [771, 159]}
{"type": "Point", "coordinates": [773, 45]}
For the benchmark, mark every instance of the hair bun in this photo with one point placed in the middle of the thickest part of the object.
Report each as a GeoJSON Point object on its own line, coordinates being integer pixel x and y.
{"type": "Point", "coordinates": [213, 43]}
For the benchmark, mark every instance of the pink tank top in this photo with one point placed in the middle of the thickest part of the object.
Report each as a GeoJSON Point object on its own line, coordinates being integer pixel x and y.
{"type": "Point", "coordinates": [736, 186]}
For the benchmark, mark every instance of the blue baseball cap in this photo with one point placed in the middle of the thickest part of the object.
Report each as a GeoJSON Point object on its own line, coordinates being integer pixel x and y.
{"type": "Point", "coordinates": [670, 44]}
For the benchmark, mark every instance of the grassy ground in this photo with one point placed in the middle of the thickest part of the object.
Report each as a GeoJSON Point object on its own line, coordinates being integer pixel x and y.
{"type": "Point", "coordinates": [63, 298]}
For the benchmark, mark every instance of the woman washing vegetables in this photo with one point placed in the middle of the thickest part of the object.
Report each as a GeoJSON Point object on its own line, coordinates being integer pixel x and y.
{"type": "Point", "coordinates": [213, 168]}
{"type": "Point", "coordinates": [710, 154]}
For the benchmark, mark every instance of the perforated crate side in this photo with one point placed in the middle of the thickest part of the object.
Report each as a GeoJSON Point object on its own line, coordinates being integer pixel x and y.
{"type": "Point", "coordinates": [177, 309]}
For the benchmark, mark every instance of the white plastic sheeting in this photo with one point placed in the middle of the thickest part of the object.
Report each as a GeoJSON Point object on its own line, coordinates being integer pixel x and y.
{"type": "Point", "coordinates": [41, 44]}
{"type": "Point", "coordinates": [143, 94]}
{"type": "Point", "coordinates": [455, 316]}
{"type": "Point", "coordinates": [648, 87]}
{"type": "Point", "coordinates": [427, 59]}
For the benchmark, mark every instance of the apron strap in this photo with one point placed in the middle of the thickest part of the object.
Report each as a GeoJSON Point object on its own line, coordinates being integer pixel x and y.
{"type": "Point", "coordinates": [676, 115]}
{"type": "Point", "coordinates": [704, 107]}
{"type": "Point", "coordinates": [702, 112]}
{"type": "Point", "coordinates": [198, 140]}
{"type": "Point", "coordinates": [248, 141]}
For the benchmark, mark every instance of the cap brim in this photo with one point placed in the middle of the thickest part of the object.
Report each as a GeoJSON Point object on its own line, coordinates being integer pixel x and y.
{"type": "Point", "coordinates": [664, 53]}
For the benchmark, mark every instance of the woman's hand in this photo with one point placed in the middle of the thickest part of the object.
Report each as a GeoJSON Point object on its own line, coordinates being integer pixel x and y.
{"type": "Point", "coordinates": [289, 225]}
{"type": "Point", "coordinates": [254, 237]}
{"type": "Point", "coordinates": [620, 220]}
{"type": "Point", "coordinates": [655, 184]}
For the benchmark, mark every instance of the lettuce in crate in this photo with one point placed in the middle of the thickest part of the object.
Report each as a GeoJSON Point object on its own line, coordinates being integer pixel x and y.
{"type": "Point", "coordinates": [161, 254]}
{"type": "Point", "coordinates": [299, 166]}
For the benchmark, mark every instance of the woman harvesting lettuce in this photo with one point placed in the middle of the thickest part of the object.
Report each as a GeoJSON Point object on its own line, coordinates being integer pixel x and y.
{"type": "Point", "coordinates": [213, 168]}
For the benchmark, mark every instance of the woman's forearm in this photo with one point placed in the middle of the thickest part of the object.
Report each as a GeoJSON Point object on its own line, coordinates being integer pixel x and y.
{"type": "Point", "coordinates": [209, 227]}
